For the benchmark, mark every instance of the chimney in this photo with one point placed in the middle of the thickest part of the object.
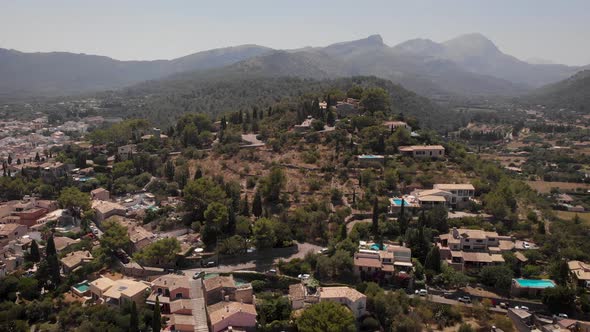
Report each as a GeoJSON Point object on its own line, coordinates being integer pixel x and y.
{"type": "Point", "coordinates": [226, 308]}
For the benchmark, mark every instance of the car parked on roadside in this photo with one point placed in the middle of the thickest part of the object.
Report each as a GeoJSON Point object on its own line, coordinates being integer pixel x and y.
{"type": "Point", "coordinates": [421, 292]}
{"type": "Point", "coordinates": [464, 299]}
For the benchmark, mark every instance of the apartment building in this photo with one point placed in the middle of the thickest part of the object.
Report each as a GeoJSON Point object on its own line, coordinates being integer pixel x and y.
{"type": "Point", "coordinates": [382, 264]}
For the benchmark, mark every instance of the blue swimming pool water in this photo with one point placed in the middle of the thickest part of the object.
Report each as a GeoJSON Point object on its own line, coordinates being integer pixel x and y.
{"type": "Point", "coordinates": [398, 202]}
{"type": "Point", "coordinates": [535, 283]}
{"type": "Point", "coordinates": [376, 246]}
{"type": "Point", "coordinates": [82, 287]}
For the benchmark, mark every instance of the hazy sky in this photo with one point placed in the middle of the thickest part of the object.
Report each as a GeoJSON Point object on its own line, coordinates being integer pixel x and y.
{"type": "Point", "coordinates": [557, 30]}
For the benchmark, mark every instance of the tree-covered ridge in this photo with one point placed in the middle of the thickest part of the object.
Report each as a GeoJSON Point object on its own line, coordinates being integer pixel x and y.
{"type": "Point", "coordinates": [164, 101]}
{"type": "Point", "coordinates": [572, 93]}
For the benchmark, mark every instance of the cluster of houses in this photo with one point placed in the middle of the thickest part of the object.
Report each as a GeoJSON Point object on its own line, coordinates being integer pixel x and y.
{"type": "Point", "coordinates": [23, 140]}
{"type": "Point", "coordinates": [525, 321]}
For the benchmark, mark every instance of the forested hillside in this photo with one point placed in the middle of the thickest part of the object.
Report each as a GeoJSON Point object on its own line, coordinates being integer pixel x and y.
{"type": "Point", "coordinates": [164, 101]}
{"type": "Point", "coordinates": [573, 93]}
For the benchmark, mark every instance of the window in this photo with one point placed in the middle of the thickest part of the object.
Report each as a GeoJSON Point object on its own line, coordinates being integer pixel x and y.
{"type": "Point", "coordinates": [179, 295]}
{"type": "Point", "coordinates": [466, 240]}
{"type": "Point", "coordinates": [479, 241]}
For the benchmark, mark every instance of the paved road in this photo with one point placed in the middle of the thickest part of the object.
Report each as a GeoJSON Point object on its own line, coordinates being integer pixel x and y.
{"type": "Point", "coordinates": [260, 261]}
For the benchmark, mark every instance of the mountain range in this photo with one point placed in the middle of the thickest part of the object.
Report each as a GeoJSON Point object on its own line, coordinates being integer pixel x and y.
{"type": "Point", "coordinates": [464, 66]}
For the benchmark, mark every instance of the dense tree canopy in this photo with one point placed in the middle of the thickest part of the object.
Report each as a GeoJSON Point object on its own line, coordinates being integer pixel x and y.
{"type": "Point", "coordinates": [326, 317]}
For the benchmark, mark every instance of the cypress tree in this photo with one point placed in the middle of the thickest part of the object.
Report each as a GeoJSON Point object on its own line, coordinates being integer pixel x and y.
{"type": "Point", "coordinates": [343, 232]}
{"type": "Point", "coordinates": [198, 173]}
{"type": "Point", "coordinates": [50, 248]}
{"type": "Point", "coordinates": [231, 220]}
{"type": "Point", "coordinates": [52, 261]}
{"type": "Point", "coordinates": [134, 319]}
{"type": "Point", "coordinates": [34, 254]}
{"type": "Point", "coordinates": [433, 259]}
{"type": "Point", "coordinates": [330, 118]}
{"type": "Point", "coordinates": [257, 205]}
{"type": "Point", "coordinates": [157, 317]}
{"type": "Point", "coordinates": [375, 225]}
{"type": "Point", "coordinates": [245, 207]}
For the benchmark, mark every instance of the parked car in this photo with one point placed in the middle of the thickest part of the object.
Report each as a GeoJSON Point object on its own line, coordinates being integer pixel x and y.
{"type": "Point", "coordinates": [211, 264]}
{"type": "Point", "coordinates": [304, 276]}
{"type": "Point", "coordinates": [198, 275]}
{"type": "Point", "coordinates": [422, 292]}
{"type": "Point", "coordinates": [503, 305]}
{"type": "Point", "coordinates": [562, 315]}
{"type": "Point", "coordinates": [271, 272]}
{"type": "Point", "coordinates": [464, 299]}
{"type": "Point", "coordinates": [323, 251]}
{"type": "Point", "coordinates": [122, 255]}
{"type": "Point", "coordinates": [522, 307]}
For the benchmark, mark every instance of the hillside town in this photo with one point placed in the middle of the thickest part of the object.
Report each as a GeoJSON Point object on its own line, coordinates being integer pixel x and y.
{"type": "Point", "coordinates": [208, 228]}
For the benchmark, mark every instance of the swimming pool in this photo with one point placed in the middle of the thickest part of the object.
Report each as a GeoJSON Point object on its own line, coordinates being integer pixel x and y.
{"type": "Point", "coordinates": [398, 202]}
{"type": "Point", "coordinates": [375, 246]}
{"type": "Point", "coordinates": [82, 287]}
{"type": "Point", "coordinates": [535, 283]}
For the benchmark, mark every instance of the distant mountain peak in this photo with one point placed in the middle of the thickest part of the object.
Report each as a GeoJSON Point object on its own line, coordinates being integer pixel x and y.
{"type": "Point", "coordinates": [370, 41]}
{"type": "Point", "coordinates": [419, 46]}
{"type": "Point", "coordinates": [473, 43]}
{"type": "Point", "coordinates": [377, 39]}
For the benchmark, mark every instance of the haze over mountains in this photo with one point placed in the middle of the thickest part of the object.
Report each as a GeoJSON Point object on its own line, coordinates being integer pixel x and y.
{"type": "Point", "coordinates": [467, 65]}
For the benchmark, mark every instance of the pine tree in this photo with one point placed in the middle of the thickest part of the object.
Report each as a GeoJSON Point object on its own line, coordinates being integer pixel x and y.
{"type": "Point", "coordinates": [134, 319]}
{"type": "Point", "coordinates": [257, 205]}
{"type": "Point", "coordinates": [157, 317]}
{"type": "Point", "coordinates": [9, 160]}
{"type": "Point", "coordinates": [37, 157]}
